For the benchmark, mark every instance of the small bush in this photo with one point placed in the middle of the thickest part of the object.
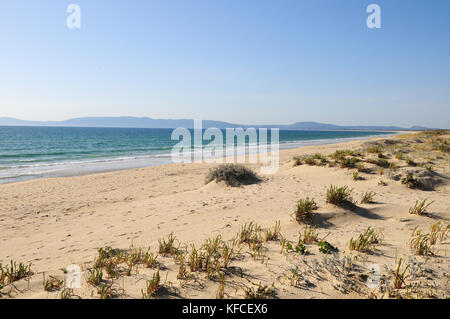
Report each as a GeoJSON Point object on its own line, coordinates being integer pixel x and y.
{"type": "Point", "coordinates": [152, 286]}
{"type": "Point", "coordinates": [399, 276]}
{"type": "Point", "coordinates": [304, 208]}
{"type": "Point", "coordinates": [95, 276]}
{"type": "Point", "coordinates": [168, 247]}
{"type": "Point", "coordinates": [420, 208]}
{"type": "Point", "coordinates": [421, 243]}
{"type": "Point", "coordinates": [410, 181]}
{"type": "Point", "coordinates": [273, 234]}
{"type": "Point", "coordinates": [326, 248]}
{"type": "Point", "coordinates": [52, 284]}
{"type": "Point", "coordinates": [367, 197]}
{"type": "Point", "coordinates": [14, 272]}
{"type": "Point", "coordinates": [233, 175]}
{"type": "Point", "coordinates": [339, 195]}
{"type": "Point", "coordinates": [310, 235]}
{"type": "Point", "coordinates": [366, 241]}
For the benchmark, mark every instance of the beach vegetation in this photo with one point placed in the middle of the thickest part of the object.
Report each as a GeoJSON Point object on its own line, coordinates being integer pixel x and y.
{"type": "Point", "coordinates": [420, 208]}
{"type": "Point", "coordinates": [14, 272]}
{"type": "Point", "coordinates": [326, 248]}
{"type": "Point", "coordinates": [400, 275]}
{"type": "Point", "coordinates": [367, 197]}
{"type": "Point", "coordinates": [310, 235]}
{"type": "Point", "coordinates": [304, 208]}
{"type": "Point", "coordinates": [365, 241]}
{"type": "Point", "coordinates": [233, 175]}
{"type": "Point", "coordinates": [410, 181]}
{"type": "Point", "coordinates": [260, 292]}
{"type": "Point", "coordinates": [152, 286]}
{"type": "Point", "coordinates": [339, 195]}
{"type": "Point", "coordinates": [52, 284]}
{"type": "Point", "coordinates": [273, 234]}
{"type": "Point", "coordinates": [168, 247]}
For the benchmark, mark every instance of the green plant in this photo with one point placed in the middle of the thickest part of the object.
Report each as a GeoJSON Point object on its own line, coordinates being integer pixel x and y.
{"type": "Point", "coordinates": [365, 241]}
{"type": "Point", "coordinates": [261, 292]}
{"type": "Point", "coordinates": [300, 248]}
{"type": "Point", "coordinates": [152, 286]}
{"type": "Point", "coordinates": [348, 162]}
{"type": "Point", "coordinates": [149, 259]}
{"type": "Point", "coordinates": [273, 235]}
{"type": "Point", "coordinates": [233, 175]}
{"type": "Point", "coordinates": [196, 260]}
{"type": "Point", "coordinates": [168, 247]}
{"type": "Point", "coordinates": [310, 235]}
{"type": "Point", "coordinates": [339, 195]}
{"type": "Point", "coordinates": [420, 208]}
{"type": "Point", "coordinates": [182, 272]}
{"type": "Point", "coordinates": [304, 208]}
{"type": "Point", "coordinates": [14, 272]}
{"type": "Point", "coordinates": [326, 248]}
{"type": "Point", "coordinates": [95, 276]}
{"type": "Point", "coordinates": [356, 176]}
{"type": "Point", "coordinates": [106, 291]}
{"type": "Point", "coordinates": [309, 160]}
{"type": "Point", "coordinates": [421, 243]}
{"type": "Point", "coordinates": [367, 197]}
{"type": "Point", "coordinates": [52, 284]}
{"type": "Point", "coordinates": [220, 294]}
{"type": "Point", "coordinates": [67, 293]}
{"type": "Point", "coordinates": [399, 276]}
{"type": "Point", "coordinates": [249, 233]}
{"type": "Point", "coordinates": [410, 181]}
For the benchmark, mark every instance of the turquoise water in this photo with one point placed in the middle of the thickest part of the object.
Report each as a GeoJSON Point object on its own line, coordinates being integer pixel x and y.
{"type": "Point", "coordinates": [34, 152]}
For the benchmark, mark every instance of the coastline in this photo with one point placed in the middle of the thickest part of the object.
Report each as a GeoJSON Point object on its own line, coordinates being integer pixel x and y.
{"type": "Point", "coordinates": [104, 165]}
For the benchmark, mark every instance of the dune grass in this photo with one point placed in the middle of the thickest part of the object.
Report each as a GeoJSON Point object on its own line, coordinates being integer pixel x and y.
{"type": "Point", "coordinates": [339, 195]}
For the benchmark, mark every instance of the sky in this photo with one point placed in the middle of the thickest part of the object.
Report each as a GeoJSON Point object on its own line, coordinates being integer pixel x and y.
{"type": "Point", "coordinates": [241, 61]}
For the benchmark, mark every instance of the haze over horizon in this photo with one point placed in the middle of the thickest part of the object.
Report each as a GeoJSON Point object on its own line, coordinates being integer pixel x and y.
{"type": "Point", "coordinates": [252, 62]}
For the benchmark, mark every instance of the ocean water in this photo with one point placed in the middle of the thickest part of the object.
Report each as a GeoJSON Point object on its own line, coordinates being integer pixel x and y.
{"type": "Point", "coordinates": [36, 152]}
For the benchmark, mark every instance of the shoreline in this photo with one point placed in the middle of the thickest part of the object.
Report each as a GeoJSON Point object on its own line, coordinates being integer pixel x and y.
{"type": "Point", "coordinates": [84, 168]}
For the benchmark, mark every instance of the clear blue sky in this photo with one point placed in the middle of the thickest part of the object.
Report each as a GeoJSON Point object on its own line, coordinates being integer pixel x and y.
{"type": "Point", "coordinates": [244, 61]}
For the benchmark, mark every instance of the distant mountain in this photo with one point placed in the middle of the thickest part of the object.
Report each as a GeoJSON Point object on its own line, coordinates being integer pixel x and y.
{"type": "Point", "coordinates": [146, 122]}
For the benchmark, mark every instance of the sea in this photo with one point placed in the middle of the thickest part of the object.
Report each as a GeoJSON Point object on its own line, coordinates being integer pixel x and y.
{"type": "Point", "coordinates": [45, 152]}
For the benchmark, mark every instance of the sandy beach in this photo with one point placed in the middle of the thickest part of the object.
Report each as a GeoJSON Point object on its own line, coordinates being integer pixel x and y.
{"type": "Point", "coordinates": [53, 223]}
